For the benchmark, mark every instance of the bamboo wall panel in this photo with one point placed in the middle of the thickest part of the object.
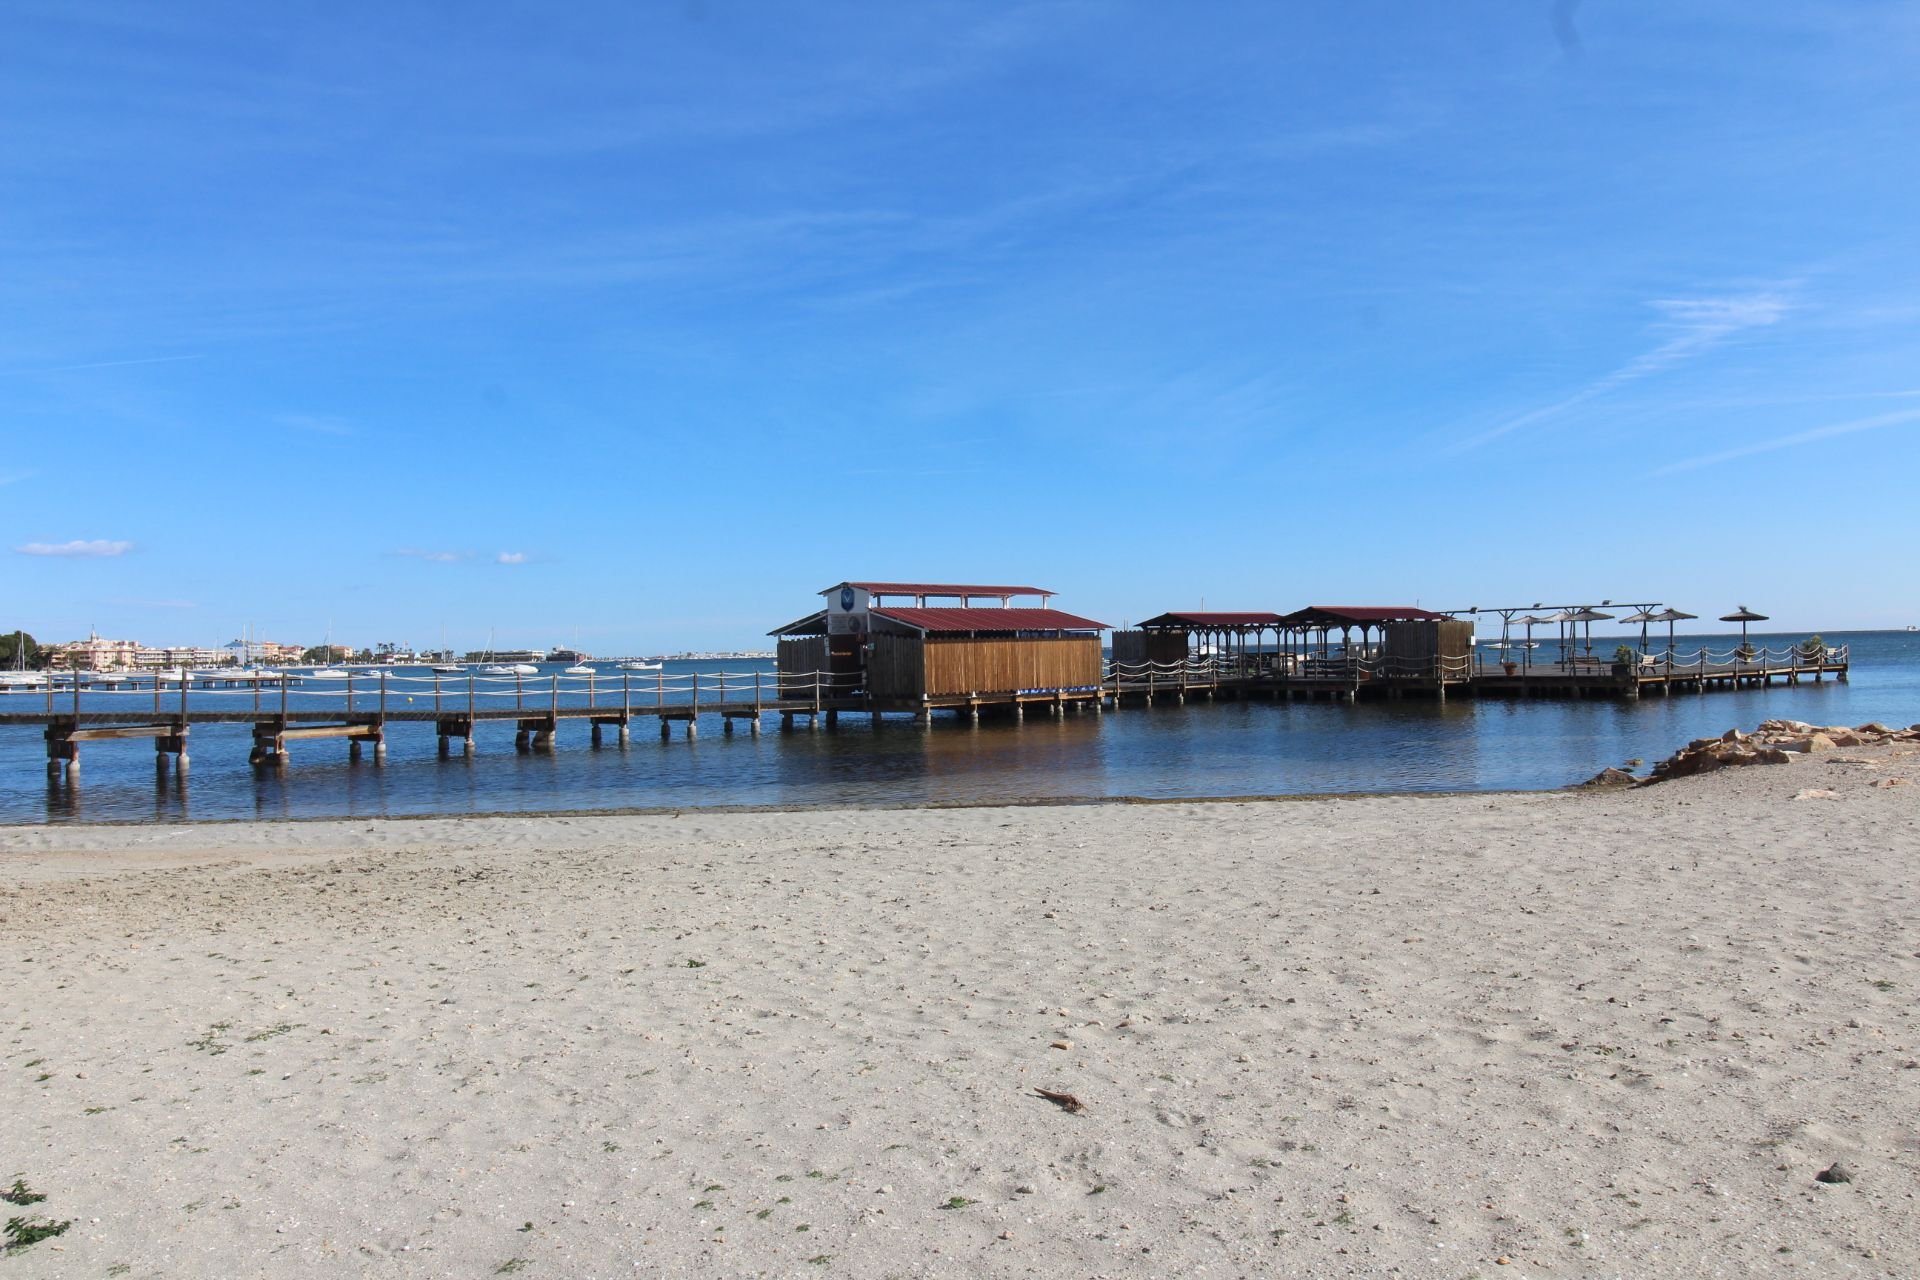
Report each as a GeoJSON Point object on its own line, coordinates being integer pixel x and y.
{"type": "Point", "coordinates": [896, 667]}
{"type": "Point", "coordinates": [799, 656]}
{"type": "Point", "coordinates": [963, 666]}
{"type": "Point", "coordinates": [1418, 644]}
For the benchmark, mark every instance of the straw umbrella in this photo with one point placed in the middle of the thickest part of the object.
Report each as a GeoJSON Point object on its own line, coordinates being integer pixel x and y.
{"type": "Point", "coordinates": [1743, 616]}
{"type": "Point", "coordinates": [1588, 615]}
{"type": "Point", "coordinates": [1671, 615]}
{"type": "Point", "coordinates": [1643, 617]}
{"type": "Point", "coordinates": [1529, 621]}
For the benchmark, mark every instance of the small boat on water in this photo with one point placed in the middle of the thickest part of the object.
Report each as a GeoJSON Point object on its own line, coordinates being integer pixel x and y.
{"type": "Point", "coordinates": [510, 669]}
{"type": "Point", "coordinates": [582, 670]}
{"type": "Point", "coordinates": [448, 668]}
{"type": "Point", "coordinates": [640, 666]}
{"type": "Point", "coordinates": [327, 673]}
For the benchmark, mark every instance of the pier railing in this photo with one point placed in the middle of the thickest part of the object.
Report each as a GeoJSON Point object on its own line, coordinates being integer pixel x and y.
{"type": "Point", "coordinates": [1285, 666]}
{"type": "Point", "coordinates": [454, 694]}
{"type": "Point", "coordinates": [1674, 664]}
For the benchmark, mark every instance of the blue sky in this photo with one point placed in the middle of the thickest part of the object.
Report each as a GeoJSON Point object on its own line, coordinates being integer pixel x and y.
{"type": "Point", "coordinates": [642, 323]}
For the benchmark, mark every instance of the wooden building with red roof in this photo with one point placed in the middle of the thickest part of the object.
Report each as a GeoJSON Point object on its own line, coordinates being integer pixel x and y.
{"type": "Point", "coordinates": [914, 646]}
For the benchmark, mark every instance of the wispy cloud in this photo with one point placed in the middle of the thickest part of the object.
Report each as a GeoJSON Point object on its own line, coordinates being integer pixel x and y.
{"type": "Point", "coordinates": [95, 364]}
{"type": "Point", "coordinates": [15, 477]}
{"type": "Point", "coordinates": [319, 424]}
{"type": "Point", "coordinates": [436, 557]}
{"type": "Point", "coordinates": [512, 557]}
{"type": "Point", "coordinates": [1789, 441]}
{"type": "Point", "coordinates": [1693, 327]}
{"type": "Point", "coordinates": [95, 548]}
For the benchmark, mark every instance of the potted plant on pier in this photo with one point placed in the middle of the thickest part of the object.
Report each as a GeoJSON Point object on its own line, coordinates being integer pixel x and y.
{"type": "Point", "coordinates": [1813, 651]}
{"type": "Point", "coordinates": [1624, 660]}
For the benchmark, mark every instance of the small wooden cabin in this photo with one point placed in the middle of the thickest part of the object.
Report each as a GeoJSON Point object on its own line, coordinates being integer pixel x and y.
{"type": "Point", "coordinates": [1175, 637]}
{"type": "Point", "coordinates": [917, 645]}
{"type": "Point", "coordinates": [1413, 644]}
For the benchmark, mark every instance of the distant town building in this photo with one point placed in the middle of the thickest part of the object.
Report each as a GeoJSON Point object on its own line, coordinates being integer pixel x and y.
{"type": "Point", "coordinates": [95, 654]}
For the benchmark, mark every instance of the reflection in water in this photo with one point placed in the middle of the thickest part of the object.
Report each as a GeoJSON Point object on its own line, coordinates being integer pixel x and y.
{"type": "Point", "coordinates": [1167, 751]}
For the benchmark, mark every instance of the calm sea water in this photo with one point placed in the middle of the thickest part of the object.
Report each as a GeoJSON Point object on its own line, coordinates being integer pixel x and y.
{"type": "Point", "coordinates": [1199, 750]}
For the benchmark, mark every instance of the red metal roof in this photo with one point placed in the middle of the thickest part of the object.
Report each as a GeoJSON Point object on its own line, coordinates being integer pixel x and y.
{"type": "Point", "coordinates": [948, 621]}
{"type": "Point", "coordinates": [938, 589]}
{"type": "Point", "coordinates": [1218, 620]}
{"type": "Point", "coordinates": [1320, 615]}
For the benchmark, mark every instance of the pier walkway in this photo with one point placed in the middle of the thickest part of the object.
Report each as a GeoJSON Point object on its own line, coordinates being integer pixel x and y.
{"type": "Point", "coordinates": [361, 707]}
{"type": "Point", "coordinates": [1306, 676]}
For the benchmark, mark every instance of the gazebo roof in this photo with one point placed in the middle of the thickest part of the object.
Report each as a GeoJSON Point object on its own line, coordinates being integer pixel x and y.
{"type": "Point", "coordinates": [1200, 621]}
{"type": "Point", "coordinates": [1358, 615]}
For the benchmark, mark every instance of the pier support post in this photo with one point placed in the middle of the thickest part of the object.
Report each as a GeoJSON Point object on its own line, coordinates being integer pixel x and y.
{"type": "Point", "coordinates": [726, 726]}
{"type": "Point", "coordinates": [594, 736]}
{"type": "Point", "coordinates": [446, 746]}
{"type": "Point", "coordinates": [520, 742]}
{"type": "Point", "coordinates": [666, 729]}
{"type": "Point", "coordinates": [973, 714]}
{"type": "Point", "coordinates": [380, 749]}
{"type": "Point", "coordinates": [353, 748]}
{"type": "Point", "coordinates": [833, 719]}
{"type": "Point", "coordinates": [753, 726]}
{"type": "Point", "coordinates": [693, 728]}
{"type": "Point", "coordinates": [625, 735]}
{"type": "Point", "coordinates": [1019, 712]}
{"type": "Point", "coordinates": [923, 717]}
{"type": "Point", "coordinates": [466, 745]}
{"type": "Point", "coordinates": [543, 740]}
{"type": "Point", "coordinates": [786, 722]}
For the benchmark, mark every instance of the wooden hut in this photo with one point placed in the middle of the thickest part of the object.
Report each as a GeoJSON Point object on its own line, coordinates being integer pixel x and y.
{"type": "Point", "coordinates": [1412, 645]}
{"type": "Point", "coordinates": [913, 646]}
{"type": "Point", "coordinates": [1177, 637]}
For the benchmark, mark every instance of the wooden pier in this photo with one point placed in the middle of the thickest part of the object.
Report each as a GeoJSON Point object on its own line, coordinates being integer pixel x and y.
{"type": "Point", "coordinates": [1293, 676]}
{"type": "Point", "coordinates": [361, 709]}
{"type": "Point", "coordinates": [367, 708]}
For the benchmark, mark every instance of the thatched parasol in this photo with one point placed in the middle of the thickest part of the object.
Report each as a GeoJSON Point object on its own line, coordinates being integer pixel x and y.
{"type": "Point", "coordinates": [1642, 617]}
{"type": "Point", "coordinates": [1670, 616]}
{"type": "Point", "coordinates": [1743, 616]}
{"type": "Point", "coordinates": [1529, 621]}
{"type": "Point", "coordinates": [1588, 615]}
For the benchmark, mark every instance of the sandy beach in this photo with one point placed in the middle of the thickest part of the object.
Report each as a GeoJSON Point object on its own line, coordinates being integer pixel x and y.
{"type": "Point", "coordinates": [1611, 1033]}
